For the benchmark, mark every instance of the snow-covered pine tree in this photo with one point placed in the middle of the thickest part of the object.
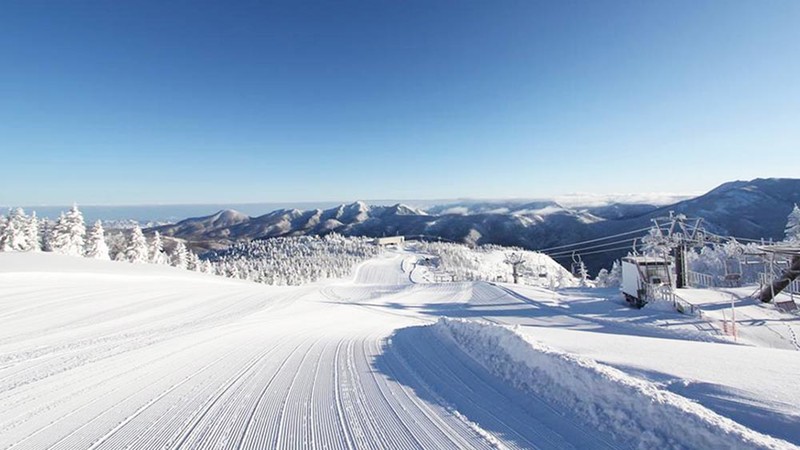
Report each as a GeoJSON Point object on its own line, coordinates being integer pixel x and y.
{"type": "Point", "coordinates": [615, 275]}
{"type": "Point", "coordinates": [3, 221]}
{"type": "Point", "coordinates": [14, 237]}
{"type": "Point", "coordinates": [192, 261]}
{"type": "Point", "coordinates": [136, 251]}
{"type": "Point", "coordinates": [157, 255]}
{"type": "Point", "coordinates": [96, 246]}
{"type": "Point", "coordinates": [32, 233]}
{"type": "Point", "coordinates": [68, 233]}
{"type": "Point", "coordinates": [117, 242]}
{"type": "Point", "coordinates": [583, 273]}
{"type": "Point", "coordinates": [58, 234]}
{"type": "Point", "coordinates": [7, 233]}
{"type": "Point", "coordinates": [47, 227]}
{"type": "Point", "coordinates": [793, 226]}
{"type": "Point", "coordinates": [602, 278]}
{"type": "Point", "coordinates": [180, 256]}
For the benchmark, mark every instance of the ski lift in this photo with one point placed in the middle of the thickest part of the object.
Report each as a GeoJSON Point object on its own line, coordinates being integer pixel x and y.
{"type": "Point", "coordinates": [634, 252]}
{"type": "Point", "coordinates": [734, 278]}
{"type": "Point", "coordinates": [542, 271]}
{"type": "Point", "coordinates": [577, 265]}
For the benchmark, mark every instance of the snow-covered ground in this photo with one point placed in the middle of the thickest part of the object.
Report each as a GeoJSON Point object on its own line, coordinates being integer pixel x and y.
{"type": "Point", "coordinates": [99, 354]}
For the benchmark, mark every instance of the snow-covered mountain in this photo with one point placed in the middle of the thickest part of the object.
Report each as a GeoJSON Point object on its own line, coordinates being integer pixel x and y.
{"type": "Point", "coordinates": [522, 228]}
{"type": "Point", "coordinates": [749, 209]}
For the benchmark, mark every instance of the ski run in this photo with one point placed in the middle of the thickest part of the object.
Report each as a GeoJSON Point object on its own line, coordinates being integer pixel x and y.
{"type": "Point", "coordinates": [106, 355]}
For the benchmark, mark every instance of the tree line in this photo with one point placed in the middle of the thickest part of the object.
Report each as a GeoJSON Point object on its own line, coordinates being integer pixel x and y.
{"type": "Point", "coordinates": [68, 235]}
{"type": "Point", "coordinates": [276, 261]}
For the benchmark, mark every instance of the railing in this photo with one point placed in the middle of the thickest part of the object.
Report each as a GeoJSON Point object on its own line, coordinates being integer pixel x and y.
{"type": "Point", "coordinates": [727, 325]}
{"type": "Point", "coordinates": [659, 293]}
{"type": "Point", "coordinates": [792, 288]}
{"type": "Point", "coordinates": [684, 307]}
{"type": "Point", "coordinates": [700, 279]}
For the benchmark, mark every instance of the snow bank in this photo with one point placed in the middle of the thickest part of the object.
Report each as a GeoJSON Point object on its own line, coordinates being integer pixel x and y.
{"type": "Point", "coordinates": [635, 412]}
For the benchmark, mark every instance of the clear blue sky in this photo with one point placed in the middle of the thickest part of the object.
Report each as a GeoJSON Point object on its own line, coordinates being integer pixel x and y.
{"type": "Point", "coordinates": [114, 102]}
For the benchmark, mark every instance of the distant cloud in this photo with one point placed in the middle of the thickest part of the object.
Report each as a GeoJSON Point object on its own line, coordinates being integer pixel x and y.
{"type": "Point", "coordinates": [462, 210]}
{"type": "Point", "coordinates": [593, 200]}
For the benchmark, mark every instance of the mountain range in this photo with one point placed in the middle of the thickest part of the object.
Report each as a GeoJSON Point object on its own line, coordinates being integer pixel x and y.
{"type": "Point", "coordinates": [748, 209]}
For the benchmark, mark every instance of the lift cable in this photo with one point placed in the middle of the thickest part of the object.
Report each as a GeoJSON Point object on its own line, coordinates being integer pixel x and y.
{"type": "Point", "coordinates": [591, 247]}
{"type": "Point", "coordinates": [628, 247]}
{"type": "Point", "coordinates": [592, 240]}
{"type": "Point", "coordinates": [739, 239]}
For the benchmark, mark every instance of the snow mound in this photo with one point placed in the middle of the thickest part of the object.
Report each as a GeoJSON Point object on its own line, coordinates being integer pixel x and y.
{"type": "Point", "coordinates": [635, 412]}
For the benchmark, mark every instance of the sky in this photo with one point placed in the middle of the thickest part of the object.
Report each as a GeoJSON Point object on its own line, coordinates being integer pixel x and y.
{"type": "Point", "coordinates": [165, 102]}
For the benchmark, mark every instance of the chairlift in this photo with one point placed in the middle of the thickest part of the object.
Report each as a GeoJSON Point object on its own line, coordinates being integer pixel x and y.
{"type": "Point", "coordinates": [732, 278]}
{"type": "Point", "coordinates": [542, 271]}
{"type": "Point", "coordinates": [634, 252]}
{"type": "Point", "coordinates": [577, 264]}
{"type": "Point", "coordinates": [751, 259]}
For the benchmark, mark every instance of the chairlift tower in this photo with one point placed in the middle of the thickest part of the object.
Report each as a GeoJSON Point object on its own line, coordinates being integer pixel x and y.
{"type": "Point", "coordinates": [682, 234]}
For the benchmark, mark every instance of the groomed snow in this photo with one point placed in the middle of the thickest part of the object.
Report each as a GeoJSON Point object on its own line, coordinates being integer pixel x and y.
{"type": "Point", "coordinates": [98, 354]}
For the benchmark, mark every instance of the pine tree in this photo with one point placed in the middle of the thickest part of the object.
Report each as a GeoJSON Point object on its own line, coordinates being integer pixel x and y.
{"type": "Point", "coordinates": [68, 233]}
{"type": "Point", "coordinates": [32, 233]}
{"type": "Point", "coordinates": [58, 234]}
{"type": "Point", "coordinates": [583, 273]}
{"type": "Point", "coordinates": [96, 246]}
{"type": "Point", "coordinates": [193, 261]}
{"type": "Point", "coordinates": [602, 278]}
{"type": "Point", "coordinates": [3, 221]}
{"type": "Point", "coordinates": [14, 237]}
{"type": "Point", "coordinates": [136, 250]}
{"type": "Point", "coordinates": [180, 257]}
{"type": "Point", "coordinates": [793, 226]}
{"type": "Point", "coordinates": [157, 255]}
{"type": "Point", "coordinates": [615, 275]}
{"type": "Point", "coordinates": [7, 232]}
{"type": "Point", "coordinates": [47, 235]}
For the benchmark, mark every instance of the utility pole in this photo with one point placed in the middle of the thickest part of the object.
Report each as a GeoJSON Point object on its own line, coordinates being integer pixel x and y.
{"type": "Point", "coordinates": [680, 266]}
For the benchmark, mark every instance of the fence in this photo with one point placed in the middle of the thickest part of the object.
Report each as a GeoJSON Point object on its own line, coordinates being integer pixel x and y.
{"type": "Point", "coordinates": [698, 279]}
{"type": "Point", "coordinates": [684, 307]}
{"type": "Point", "coordinates": [727, 325]}
{"type": "Point", "coordinates": [794, 287]}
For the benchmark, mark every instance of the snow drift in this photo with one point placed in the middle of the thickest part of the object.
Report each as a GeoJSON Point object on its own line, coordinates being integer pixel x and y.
{"type": "Point", "coordinates": [635, 412]}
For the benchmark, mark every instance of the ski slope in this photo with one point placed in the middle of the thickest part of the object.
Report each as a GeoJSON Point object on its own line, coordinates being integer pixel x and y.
{"type": "Point", "coordinates": [108, 355]}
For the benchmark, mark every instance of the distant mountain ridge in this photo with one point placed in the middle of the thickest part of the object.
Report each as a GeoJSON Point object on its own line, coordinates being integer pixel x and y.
{"type": "Point", "coordinates": [750, 209]}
